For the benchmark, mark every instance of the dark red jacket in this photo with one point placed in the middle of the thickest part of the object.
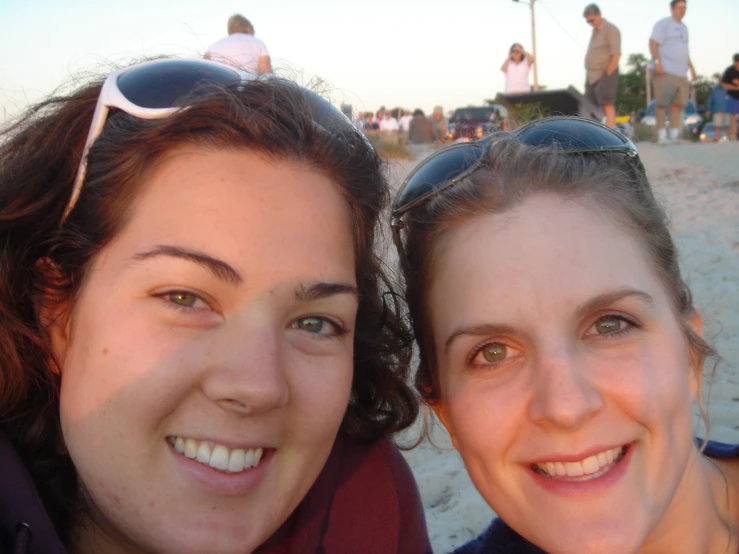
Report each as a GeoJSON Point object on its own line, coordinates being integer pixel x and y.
{"type": "Point", "coordinates": [364, 501]}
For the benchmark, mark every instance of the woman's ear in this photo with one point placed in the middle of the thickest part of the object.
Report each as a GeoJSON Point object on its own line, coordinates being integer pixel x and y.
{"type": "Point", "coordinates": [51, 311]}
{"type": "Point", "coordinates": [441, 412]}
{"type": "Point", "coordinates": [694, 323]}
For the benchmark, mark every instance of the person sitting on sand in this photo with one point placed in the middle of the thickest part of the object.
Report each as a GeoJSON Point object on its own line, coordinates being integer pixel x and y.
{"type": "Point", "coordinates": [199, 353]}
{"type": "Point", "coordinates": [560, 347]}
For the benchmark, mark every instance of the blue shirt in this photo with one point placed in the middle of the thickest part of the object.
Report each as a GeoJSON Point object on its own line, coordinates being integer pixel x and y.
{"type": "Point", "coordinates": [717, 100]}
{"type": "Point", "coordinates": [501, 539]}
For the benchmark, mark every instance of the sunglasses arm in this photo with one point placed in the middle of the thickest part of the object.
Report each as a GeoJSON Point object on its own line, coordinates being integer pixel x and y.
{"type": "Point", "coordinates": [397, 223]}
{"type": "Point", "coordinates": [98, 122]}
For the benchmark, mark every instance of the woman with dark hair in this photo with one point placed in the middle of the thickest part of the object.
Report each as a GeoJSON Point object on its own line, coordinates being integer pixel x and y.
{"type": "Point", "coordinates": [516, 67]}
{"type": "Point", "coordinates": [200, 351]}
{"type": "Point", "coordinates": [560, 347]}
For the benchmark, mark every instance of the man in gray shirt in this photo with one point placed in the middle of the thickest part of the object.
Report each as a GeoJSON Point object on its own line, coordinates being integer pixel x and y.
{"type": "Point", "coordinates": [669, 48]}
{"type": "Point", "coordinates": [601, 63]}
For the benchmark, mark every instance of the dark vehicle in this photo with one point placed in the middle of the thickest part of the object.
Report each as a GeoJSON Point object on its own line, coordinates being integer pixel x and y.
{"type": "Point", "coordinates": [472, 123]}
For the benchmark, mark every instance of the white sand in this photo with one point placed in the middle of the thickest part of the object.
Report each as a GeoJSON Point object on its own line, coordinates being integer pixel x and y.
{"type": "Point", "coordinates": [699, 185]}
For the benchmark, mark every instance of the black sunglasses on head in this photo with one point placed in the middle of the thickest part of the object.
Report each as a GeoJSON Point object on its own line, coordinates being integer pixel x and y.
{"type": "Point", "coordinates": [445, 168]}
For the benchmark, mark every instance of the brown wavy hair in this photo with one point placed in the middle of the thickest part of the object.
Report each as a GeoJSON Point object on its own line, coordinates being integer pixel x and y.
{"type": "Point", "coordinates": [512, 172]}
{"type": "Point", "coordinates": [39, 155]}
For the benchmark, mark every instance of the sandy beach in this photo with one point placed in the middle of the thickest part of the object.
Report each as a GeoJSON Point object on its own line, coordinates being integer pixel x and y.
{"type": "Point", "coordinates": [699, 186]}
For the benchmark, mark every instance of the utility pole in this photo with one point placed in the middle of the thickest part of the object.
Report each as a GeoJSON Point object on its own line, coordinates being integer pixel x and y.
{"type": "Point", "coordinates": [533, 42]}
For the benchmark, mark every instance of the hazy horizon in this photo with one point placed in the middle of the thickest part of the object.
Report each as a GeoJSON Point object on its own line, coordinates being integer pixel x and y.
{"type": "Point", "coordinates": [401, 53]}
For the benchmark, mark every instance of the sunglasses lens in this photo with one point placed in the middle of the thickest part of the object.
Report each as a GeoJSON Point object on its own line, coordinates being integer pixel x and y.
{"type": "Point", "coordinates": [440, 170]}
{"type": "Point", "coordinates": [161, 84]}
{"type": "Point", "coordinates": [572, 135]}
{"type": "Point", "coordinates": [324, 113]}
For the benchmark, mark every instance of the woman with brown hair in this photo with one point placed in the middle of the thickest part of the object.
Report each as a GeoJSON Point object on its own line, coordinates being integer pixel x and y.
{"type": "Point", "coordinates": [560, 347]}
{"type": "Point", "coordinates": [516, 67]}
{"type": "Point", "coordinates": [200, 351]}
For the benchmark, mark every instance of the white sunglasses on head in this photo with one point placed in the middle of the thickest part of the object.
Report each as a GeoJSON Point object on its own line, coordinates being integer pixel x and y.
{"type": "Point", "coordinates": [150, 90]}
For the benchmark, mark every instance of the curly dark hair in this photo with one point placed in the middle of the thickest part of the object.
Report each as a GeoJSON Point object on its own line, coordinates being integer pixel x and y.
{"type": "Point", "coordinates": [39, 155]}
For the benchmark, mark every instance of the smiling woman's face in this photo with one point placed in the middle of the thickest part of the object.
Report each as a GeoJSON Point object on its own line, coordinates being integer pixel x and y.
{"type": "Point", "coordinates": [565, 377]}
{"type": "Point", "coordinates": [207, 364]}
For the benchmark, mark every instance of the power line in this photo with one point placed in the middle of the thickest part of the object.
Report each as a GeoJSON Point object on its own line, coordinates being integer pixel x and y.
{"type": "Point", "coordinates": [543, 5]}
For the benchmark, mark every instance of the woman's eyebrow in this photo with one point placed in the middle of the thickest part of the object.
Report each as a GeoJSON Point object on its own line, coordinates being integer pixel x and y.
{"type": "Point", "coordinates": [323, 289]}
{"type": "Point", "coordinates": [477, 330]}
{"type": "Point", "coordinates": [605, 300]}
{"type": "Point", "coordinates": [219, 268]}
{"type": "Point", "coordinates": [599, 302]}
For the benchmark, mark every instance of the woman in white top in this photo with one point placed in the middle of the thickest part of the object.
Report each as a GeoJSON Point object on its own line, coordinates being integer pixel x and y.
{"type": "Point", "coordinates": [516, 68]}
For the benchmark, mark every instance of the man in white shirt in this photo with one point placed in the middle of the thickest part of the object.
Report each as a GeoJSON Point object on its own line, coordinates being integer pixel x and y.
{"type": "Point", "coordinates": [405, 121]}
{"type": "Point", "coordinates": [389, 123]}
{"type": "Point", "coordinates": [668, 45]}
{"type": "Point", "coordinates": [241, 48]}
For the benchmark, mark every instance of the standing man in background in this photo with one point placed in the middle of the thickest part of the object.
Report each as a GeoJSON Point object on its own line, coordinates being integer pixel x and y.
{"type": "Point", "coordinates": [716, 109]}
{"type": "Point", "coordinates": [669, 48]}
{"type": "Point", "coordinates": [241, 48]}
{"type": "Point", "coordinates": [601, 63]}
{"type": "Point", "coordinates": [730, 83]}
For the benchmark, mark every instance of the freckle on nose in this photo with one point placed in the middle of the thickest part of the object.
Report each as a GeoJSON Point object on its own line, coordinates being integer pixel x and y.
{"type": "Point", "coordinates": [105, 351]}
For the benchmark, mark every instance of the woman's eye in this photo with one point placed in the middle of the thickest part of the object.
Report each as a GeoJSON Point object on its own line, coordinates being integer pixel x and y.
{"type": "Point", "coordinates": [493, 353]}
{"type": "Point", "coordinates": [184, 299]}
{"type": "Point", "coordinates": [611, 325]}
{"type": "Point", "coordinates": [318, 326]}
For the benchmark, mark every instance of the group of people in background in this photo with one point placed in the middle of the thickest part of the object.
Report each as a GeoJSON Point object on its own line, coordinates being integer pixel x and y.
{"type": "Point", "coordinates": [670, 64]}
{"type": "Point", "coordinates": [413, 128]}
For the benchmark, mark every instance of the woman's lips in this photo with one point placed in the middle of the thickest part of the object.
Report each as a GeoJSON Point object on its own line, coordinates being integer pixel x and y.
{"type": "Point", "coordinates": [590, 467]}
{"type": "Point", "coordinates": [239, 476]}
{"type": "Point", "coordinates": [217, 456]}
{"type": "Point", "coordinates": [585, 476]}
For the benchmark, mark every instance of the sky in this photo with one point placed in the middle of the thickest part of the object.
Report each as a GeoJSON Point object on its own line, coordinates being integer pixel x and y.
{"type": "Point", "coordinates": [408, 53]}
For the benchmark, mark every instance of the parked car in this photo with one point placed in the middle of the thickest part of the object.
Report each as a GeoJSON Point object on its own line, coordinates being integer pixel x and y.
{"type": "Point", "coordinates": [624, 126]}
{"type": "Point", "coordinates": [708, 133]}
{"type": "Point", "coordinates": [473, 122]}
{"type": "Point", "coordinates": [691, 119]}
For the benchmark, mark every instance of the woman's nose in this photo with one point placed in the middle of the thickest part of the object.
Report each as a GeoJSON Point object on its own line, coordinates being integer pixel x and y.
{"type": "Point", "coordinates": [564, 394]}
{"type": "Point", "coordinates": [247, 373]}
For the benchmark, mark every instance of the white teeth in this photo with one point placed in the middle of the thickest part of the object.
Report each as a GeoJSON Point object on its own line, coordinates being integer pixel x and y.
{"type": "Point", "coordinates": [219, 457]}
{"type": "Point", "coordinates": [588, 466]}
{"type": "Point", "coordinates": [191, 448]}
{"type": "Point", "coordinates": [249, 458]}
{"type": "Point", "coordinates": [236, 461]}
